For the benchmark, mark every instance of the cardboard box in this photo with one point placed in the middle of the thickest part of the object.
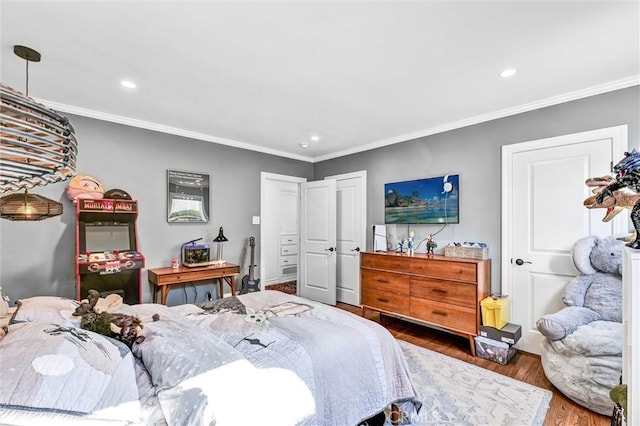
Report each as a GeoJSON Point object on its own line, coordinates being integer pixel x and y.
{"type": "Point", "coordinates": [495, 311]}
{"type": "Point", "coordinates": [494, 350]}
{"type": "Point", "coordinates": [510, 333]}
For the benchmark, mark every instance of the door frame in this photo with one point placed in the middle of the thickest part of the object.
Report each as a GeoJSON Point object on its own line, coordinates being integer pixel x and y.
{"type": "Point", "coordinates": [265, 177]}
{"type": "Point", "coordinates": [618, 135]}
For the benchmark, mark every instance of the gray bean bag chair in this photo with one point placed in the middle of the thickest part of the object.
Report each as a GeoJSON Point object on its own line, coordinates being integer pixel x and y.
{"type": "Point", "coordinates": [581, 350]}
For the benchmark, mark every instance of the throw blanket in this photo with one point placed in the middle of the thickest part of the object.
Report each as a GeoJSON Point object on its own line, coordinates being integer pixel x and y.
{"type": "Point", "coordinates": [285, 361]}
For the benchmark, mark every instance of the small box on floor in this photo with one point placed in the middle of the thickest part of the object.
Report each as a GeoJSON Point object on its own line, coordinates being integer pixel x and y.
{"type": "Point", "coordinates": [495, 311]}
{"type": "Point", "coordinates": [494, 350]}
{"type": "Point", "coordinates": [510, 333]}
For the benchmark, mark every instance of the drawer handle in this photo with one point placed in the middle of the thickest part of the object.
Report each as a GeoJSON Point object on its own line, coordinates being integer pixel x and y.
{"type": "Point", "coordinates": [444, 314]}
{"type": "Point", "coordinates": [383, 300]}
{"type": "Point", "coordinates": [437, 290]}
{"type": "Point", "coordinates": [381, 280]}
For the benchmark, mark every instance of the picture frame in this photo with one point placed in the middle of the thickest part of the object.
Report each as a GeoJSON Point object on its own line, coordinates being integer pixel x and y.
{"type": "Point", "coordinates": [187, 197]}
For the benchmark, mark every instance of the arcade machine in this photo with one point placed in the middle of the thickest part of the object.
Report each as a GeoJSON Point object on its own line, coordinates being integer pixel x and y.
{"type": "Point", "coordinates": [107, 257]}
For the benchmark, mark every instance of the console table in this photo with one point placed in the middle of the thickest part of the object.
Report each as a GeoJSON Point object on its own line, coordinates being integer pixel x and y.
{"type": "Point", "coordinates": [163, 278]}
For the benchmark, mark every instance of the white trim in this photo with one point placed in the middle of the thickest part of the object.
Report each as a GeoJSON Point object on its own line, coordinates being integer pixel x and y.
{"type": "Point", "coordinates": [567, 97]}
{"type": "Point", "coordinates": [142, 124]}
{"type": "Point", "coordinates": [264, 178]}
{"type": "Point", "coordinates": [618, 135]}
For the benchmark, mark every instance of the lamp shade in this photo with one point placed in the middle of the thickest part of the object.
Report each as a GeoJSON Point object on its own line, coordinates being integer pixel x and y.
{"type": "Point", "coordinates": [25, 206]}
{"type": "Point", "coordinates": [38, 144]}
{"type": "Point", "coordinates": [220, 238]}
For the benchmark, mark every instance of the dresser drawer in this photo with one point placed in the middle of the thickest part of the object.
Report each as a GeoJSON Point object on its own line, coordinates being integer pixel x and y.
{"type": "Point", "coordinates": [385, 281]}
{"type": "Point", "coordinates": [389, 262]}
{"type": "Point", "coordinates": [446, 269]}
{"type": "Point", "coordinates": [386, 301]}
{"type": "Point", "coordinates": [443, 291]}
{"type": "Point", "coordinates": [458, 318]}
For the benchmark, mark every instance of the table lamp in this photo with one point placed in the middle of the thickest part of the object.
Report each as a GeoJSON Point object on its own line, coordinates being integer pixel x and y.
{"type": "Point", "coordinates": [220, 240]}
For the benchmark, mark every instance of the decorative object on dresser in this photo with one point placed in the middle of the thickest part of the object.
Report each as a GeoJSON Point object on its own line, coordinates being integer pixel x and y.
{"type": "Point", "coordinates": [434, 290]}
{"type": "Point", "coordinates": [249, 283]}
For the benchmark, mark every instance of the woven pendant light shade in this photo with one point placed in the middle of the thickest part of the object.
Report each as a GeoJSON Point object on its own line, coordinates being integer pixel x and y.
{"type": "Point", "coordinates": [25, 206]}
{"type": "Point", "coordinates": [37, 145]}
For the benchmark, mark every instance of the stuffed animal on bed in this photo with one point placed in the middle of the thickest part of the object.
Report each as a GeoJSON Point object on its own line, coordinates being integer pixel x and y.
{"type": "Point", "coordinates": [126, 328]}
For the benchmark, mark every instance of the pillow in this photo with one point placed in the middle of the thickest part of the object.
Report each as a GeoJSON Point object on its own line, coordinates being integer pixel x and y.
{"type": "Point", "coordinates": [46, 309]}
{"type": "Point", "coordinates": [64, 370]}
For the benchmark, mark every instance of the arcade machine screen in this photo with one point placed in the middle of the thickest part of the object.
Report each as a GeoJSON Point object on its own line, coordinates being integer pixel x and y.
{"type": "Point", "coordinates": [101, 238]}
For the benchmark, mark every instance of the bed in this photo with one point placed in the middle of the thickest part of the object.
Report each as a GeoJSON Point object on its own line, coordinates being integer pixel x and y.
{"type": "Point", "coordinates": [260, 358]}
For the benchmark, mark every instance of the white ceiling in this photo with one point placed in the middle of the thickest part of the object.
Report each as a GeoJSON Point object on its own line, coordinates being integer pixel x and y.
{"type": "Point", "coordinates": [266, 75]}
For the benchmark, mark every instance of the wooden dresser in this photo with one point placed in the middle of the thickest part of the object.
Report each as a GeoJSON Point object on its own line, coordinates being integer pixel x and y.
{"type": "Point", "coordinates": [434, 290]}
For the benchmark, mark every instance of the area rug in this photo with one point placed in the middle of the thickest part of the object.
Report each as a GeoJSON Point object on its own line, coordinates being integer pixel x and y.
{"type": "Point", "coordinates": [288, 287]}
{"type": "Point", "coordinates": [454, 392]}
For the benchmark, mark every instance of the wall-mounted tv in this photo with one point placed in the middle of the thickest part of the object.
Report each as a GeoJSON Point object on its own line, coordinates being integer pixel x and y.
{"type": "Point", "coordinates": [430, 200]}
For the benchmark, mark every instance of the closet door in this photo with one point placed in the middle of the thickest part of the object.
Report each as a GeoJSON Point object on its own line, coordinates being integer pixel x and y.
{"type": "Point", "coordinates": [317, 278]}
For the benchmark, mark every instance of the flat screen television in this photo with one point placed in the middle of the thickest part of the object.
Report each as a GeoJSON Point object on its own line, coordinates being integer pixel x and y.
{"type": "Point", "coordinates": [423, 201]}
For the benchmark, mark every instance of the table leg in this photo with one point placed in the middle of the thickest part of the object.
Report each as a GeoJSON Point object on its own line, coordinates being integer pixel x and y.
{"type": "Point", "coordinates": [165, 292]}
{"type": "Point", "coordinates": [221, 287]}
{"type": "Point", "coordinates": [155, 293]}
{"type": "Point", "coordinates": [232, 283]}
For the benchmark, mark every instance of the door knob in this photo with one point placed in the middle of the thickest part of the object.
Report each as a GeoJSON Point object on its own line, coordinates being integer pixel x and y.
{"type": "Point", "coordinates": [521, 262]}
{"type": "Point", "coordinates": [330, 249]}
{"type": "Point", "coordinates": [356, 249]}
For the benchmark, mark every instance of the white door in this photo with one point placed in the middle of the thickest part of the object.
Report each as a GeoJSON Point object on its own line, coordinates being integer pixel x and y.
{"type": "Point", "coordinates": [317, 277]}
{"type": "Point", "coordinates": [351, 234]}
{"type": "Point", "coordinates": [543, 215]}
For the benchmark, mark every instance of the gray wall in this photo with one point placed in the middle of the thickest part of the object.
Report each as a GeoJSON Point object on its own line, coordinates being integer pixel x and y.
{"type": "Point", "coordinates": [38, 257]}
{"type": "Point", "coordinates": [474, 153]}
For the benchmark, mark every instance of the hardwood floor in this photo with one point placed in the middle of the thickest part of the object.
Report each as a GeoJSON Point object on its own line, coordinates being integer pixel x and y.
{"type": "Point", "coordinates": [523, 366]}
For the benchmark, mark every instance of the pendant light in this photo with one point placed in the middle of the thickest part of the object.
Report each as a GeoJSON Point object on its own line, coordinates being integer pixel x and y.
{"type": "Point", "coordinates": [38, 147]}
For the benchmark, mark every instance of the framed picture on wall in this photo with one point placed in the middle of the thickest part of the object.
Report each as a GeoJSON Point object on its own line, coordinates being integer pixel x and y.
{"type": "Point", "coordinates": [187, 197]}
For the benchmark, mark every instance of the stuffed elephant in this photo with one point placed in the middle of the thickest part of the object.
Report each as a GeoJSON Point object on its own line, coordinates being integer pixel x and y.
{"type": "Point", "coordinates": [594, 295]}
{"type": "Point", "coordinates": [581, 352]}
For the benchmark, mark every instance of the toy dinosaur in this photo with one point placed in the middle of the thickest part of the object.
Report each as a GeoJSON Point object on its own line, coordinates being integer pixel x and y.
{"type": "Point", "coordinates": [620, 201]}
{"type": "Point", "coordinates": [627, 175]}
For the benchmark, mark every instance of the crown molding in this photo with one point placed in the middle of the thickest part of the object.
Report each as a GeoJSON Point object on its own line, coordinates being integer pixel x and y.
{"type": "Point", "coordinates": [147, 125]}
{"type": "Point", "coordinates": [555, 100]}
{"type": "Point", "coordinates": [567, 97]}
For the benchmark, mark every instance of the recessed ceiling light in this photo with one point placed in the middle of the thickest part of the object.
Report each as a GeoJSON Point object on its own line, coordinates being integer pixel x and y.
{"type": "Point", "coordinates": [304, 145]}
{"type": "Point", "coordinates": [315, 138]}
{"type": "Point", "coordinates": [128, 84]}
{"type": "Point", "coordinates": [509, 72]}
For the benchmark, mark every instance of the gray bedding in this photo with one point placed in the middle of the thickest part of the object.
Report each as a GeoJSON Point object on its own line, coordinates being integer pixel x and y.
{"type": "Point", "coordinates": [302, 362]}
{"type": "Point", "coordinates": [264, 358]}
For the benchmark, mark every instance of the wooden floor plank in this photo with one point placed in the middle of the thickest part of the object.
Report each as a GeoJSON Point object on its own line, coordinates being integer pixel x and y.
{"type": "Point", "coordinates": [523, 366]}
